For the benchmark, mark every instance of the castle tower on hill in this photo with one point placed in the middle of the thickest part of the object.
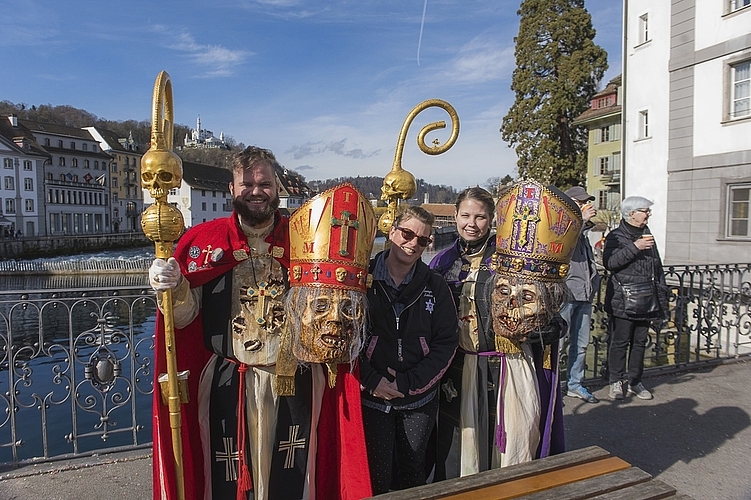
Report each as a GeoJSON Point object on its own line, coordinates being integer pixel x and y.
{"type": "Point", "coordinates": [202, 138]}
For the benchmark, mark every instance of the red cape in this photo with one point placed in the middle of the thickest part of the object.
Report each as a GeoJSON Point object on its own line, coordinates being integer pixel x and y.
{"type": "Point", "coordinates": [225, 243]}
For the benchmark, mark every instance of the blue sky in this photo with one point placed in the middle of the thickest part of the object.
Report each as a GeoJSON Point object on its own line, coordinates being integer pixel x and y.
{"type": "Point", "coordinates": [325, 84]}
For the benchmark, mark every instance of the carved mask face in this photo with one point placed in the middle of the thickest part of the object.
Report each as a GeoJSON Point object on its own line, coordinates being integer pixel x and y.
{"type": "Point", "coordinates": [329, 326]}
{"type": "Point", "coordinates": [257, 327]}
{"type": "Point", "coordinates": [160, 172]}
{"type": "Point", "coordinates": [517, 309]}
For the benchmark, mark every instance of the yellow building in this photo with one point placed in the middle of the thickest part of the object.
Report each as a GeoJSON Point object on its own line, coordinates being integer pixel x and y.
{"type": "Point", "coordinates": [603, 120]}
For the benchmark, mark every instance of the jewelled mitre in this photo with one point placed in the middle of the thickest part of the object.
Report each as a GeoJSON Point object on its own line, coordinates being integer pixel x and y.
{"type": "Point", "coordinates": [537, 230]}
{"type": "Point", "coordinates": [331, 238]}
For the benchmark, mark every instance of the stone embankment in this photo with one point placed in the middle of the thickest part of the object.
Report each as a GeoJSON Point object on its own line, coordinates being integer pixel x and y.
{"type": "Point", "coordinates": [54, 246]}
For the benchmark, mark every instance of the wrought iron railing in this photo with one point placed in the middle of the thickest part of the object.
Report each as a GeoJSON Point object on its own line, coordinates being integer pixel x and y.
{"type": "Point", "coordinates": [75, 372]}
{"type": "Point", "coordinates": [76, 363]}
{"type": "Point", "coordinates": [710, 319]}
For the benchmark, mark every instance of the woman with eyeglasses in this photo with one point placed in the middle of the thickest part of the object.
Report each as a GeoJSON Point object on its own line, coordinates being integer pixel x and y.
{"type": "Point", "coordinates": [631, 257]}
{"type": "Point", "coordinates": [413, 337]}
{"type": "Point", "coordinates": [464, 441]}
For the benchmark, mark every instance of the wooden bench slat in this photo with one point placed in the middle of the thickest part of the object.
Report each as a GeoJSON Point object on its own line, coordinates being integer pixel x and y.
{"type": "Point", "coordinates": [444, 489]}
{"type": "Point", "coordinates": [593, 486]}
{"type": "Point", "coordinates": [652, 490]}
{"type": "Point", "coordinates": [545, 481]}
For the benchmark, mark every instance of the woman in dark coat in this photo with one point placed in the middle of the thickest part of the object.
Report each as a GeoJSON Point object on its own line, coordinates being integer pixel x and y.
{"type": "Point", "coordinates": [631, 257]}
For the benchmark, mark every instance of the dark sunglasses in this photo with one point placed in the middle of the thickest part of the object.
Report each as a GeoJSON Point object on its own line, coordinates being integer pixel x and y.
{"type": "Point", "coordinates": [410, 235]}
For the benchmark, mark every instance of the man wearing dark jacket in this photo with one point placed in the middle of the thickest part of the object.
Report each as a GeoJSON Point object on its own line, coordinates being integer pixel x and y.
{"type": "Point", "coordinates": [582, 281]}
{"type": "Point", "coordinates": [413, 337]}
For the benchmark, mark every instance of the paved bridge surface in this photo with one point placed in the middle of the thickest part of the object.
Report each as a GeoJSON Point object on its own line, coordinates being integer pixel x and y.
{"type": "Point", "coordinates": [694, 435]}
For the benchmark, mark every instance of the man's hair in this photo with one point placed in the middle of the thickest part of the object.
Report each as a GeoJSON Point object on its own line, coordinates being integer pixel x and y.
{"type": "Point", "coordinates": [478, 194]}
{"type": "Point", "coordinates": [418, 213]}
{"type": "Point", "coordinates": [632, 203]}
{"type": "Point", "coordinates": [252, 156]}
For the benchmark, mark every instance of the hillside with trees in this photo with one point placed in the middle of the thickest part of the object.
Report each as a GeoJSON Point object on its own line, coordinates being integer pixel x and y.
{"type": "Point", "coordinates": [141, 130]}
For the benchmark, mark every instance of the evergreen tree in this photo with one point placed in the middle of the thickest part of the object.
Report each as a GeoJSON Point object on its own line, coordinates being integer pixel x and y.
{"type": "Point", "coordinates": [558, 68]}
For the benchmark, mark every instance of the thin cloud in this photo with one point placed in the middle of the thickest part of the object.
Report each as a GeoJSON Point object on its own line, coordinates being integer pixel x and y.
{"type": "Point", "coordinates": [481, 60]}
{"type": "Point", "coordinates": [337, 147]}
{"type": "Point", "coordinates": [216, 60]}
{"type": "Point", "coordinates": [305, 167]}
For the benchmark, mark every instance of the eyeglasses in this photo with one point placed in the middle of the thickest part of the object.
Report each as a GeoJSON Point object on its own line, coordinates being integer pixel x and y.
{"type": "Point", "coordinates": [647, 211]}
{"type": "Point", "coordinates": [410, 235]}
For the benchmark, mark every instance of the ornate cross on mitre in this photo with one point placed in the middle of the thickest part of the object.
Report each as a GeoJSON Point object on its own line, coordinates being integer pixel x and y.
{"type": "Point", "coordinates": [290, 445]}
{"type": "Point", "coordinates": [525, 217]}
{"type": "Point", "coordinates": [345, 222]}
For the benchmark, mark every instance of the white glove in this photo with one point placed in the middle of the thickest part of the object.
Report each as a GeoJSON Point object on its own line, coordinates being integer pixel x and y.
{"type": "Point", "coordinates": [164, 275]}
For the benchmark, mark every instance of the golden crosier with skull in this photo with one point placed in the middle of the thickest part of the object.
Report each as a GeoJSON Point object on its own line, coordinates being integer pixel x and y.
{"type": "Point", "coordinates": [160, 172]}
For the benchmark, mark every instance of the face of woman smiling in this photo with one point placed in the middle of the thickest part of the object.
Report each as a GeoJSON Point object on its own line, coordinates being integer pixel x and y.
{"type": "Point", "coordinates": [472, 220]}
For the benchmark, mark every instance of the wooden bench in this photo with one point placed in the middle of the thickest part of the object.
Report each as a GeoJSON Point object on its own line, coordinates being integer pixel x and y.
{"type": "Point", "coordinates": [587, 473]}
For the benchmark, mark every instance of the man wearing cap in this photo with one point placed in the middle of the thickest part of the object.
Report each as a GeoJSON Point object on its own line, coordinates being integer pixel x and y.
{"type": "Point", "coordinates": [582, 281]}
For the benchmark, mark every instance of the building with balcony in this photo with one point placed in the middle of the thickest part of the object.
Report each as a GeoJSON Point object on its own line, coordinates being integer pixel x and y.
{"type": "Point", "coordinates": [687, 124]}
{"type": "Point", "coordinates": [126, 195]}
{"type": "Point", "coordinates": [77, 199]}
{"type": "Point", "coordinates": [603, 120]}
{"type": "Point", "coordinates": [21, 181]}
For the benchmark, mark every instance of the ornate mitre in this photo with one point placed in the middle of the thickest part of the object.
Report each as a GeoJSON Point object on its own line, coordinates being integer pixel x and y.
{"type": "Point", "coordinates": [537, 231]}
{"type": "Point", "coordinates": [331, 237]}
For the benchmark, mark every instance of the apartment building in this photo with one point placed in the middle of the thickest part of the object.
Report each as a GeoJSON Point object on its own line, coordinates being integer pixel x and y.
{"type": "Point", "coordinates": [687, 124]}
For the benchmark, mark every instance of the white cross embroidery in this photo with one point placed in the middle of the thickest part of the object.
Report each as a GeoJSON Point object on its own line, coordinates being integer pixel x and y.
{"type": "Point", "coordinates": [230, 457]}
{"type": "Point", "coordinates": [290, 445]}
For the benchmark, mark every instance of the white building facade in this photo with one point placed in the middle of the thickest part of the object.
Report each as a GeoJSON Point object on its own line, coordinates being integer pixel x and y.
{"type": "Point", "coordinates": [687, 124]}
{"type": "Point", "coordinates": [21, 184]}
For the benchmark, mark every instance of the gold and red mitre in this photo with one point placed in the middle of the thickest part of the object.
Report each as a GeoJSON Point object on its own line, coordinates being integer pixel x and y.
{"type": "Point", "coordinates": [537, 230]}
{"type": "Point", "coordinates": [331, 238]}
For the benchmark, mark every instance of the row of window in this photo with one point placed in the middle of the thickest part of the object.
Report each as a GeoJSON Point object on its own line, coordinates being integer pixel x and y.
{"type": "Point", "coordinates": [73, 197]}
{"type": "Point", "coordinates": [10, 205]}
{"type": "Point", "coordinates": [86, 164]}
{"type": "Point", "coordinates": [10, 162]}
{"type": "Point", "coordinates": [10, 183]}
{"type": "Point", "coordinates": [608, 133]}
{"type": "Point", "coordinates": [739, 77]}
{"type": "Point", "coordinates": [214, 193]}
{"type": "Point", "coordinates": [84, 145]}
{"type": "Point", "coordinates": [76, 223]}
{"type": "Point", "coordinates": [226, 207]}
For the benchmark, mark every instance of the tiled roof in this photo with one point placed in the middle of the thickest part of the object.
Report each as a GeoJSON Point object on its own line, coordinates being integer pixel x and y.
{"type": "Point", "coordinates": [206, 177]}
{"type": "Point", "coordinates": [440, 209]}
{"type": "Point", "coordinates": [51, 128]}
{"type": "Point", "coordinates": [23, 135]}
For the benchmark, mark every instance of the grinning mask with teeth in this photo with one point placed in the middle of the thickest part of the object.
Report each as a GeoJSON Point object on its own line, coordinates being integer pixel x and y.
{"type": "Point", "coordinates": [327, 324]}
{"type": "Point", "coordinates": [519, 306]}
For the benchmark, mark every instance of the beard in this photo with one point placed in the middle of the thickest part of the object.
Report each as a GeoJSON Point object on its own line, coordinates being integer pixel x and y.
{"type": "Point", "coordinates": [255, 217]}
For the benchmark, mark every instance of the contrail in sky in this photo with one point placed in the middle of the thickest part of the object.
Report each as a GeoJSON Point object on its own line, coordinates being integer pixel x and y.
{"type": "Point", "coordinates": [422, 24]}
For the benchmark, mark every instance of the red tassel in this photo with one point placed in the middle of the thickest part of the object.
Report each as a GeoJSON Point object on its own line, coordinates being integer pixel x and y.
{"type": "Point", "coordinates": [244, 482]}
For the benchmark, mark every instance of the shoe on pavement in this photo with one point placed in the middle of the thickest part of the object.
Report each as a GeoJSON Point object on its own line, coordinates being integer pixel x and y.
{"type": "Point", "coordinates": [616, 390]}
{"type": "Point", "coordinates": [639, 391]}
{"type": "Point", "coordinates": [584, 394]}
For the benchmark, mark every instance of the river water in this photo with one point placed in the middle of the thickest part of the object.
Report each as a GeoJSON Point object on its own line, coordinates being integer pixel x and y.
{"type": "Point", "coordinates": [50, 383]}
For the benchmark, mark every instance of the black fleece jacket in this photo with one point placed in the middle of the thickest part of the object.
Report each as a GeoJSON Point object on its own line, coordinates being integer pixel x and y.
{"type": "Point", "coordinates": [419, 344]}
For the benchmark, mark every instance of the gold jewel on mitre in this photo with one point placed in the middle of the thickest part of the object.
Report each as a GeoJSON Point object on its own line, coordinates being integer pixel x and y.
{"type": "Point", "coordinates": [330, 240]}
{"type": "Point", "coordinates": [537, 230]}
